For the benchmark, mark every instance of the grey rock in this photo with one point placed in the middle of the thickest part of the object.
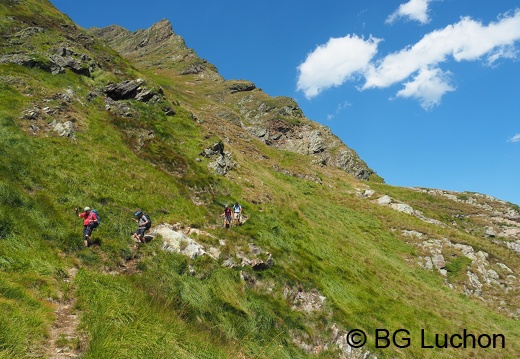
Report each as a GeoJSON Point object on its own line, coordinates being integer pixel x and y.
{"type": "Point", "coordinates": [402, 207]}
{"type": "Point", "coordinates": [240, 86]}
{"type": "Point", "coordinates": [385, 200]}
{"type": "Point", "coordinates": [428, 264]}
{"type": "Point", "coordinates": [168, 111]}
{"type": "Point", "coordinates": [222, 164]}
{"type": "Point", "coordinates": [261, 265]}
{"type": "Point", "coordinates": [304, 301]}
{"type": "Point", "coordinates": [65, 129]}
{"type": "Point", "coordinates": [515, 246]}
{"type": "Point", "coordinates": [413, 233]}
{"type": "Point", "coordinates": [230, 263]}
{"type": "Point", "coordinates": [124, 90]}
{"type": "Point", "coordinates": [438, 261]}
{"type": "Point", "coordinates": [259, 132]}
{"type": "Point", "coordinates": [193, 69]}
{"type": "Point", "coordinates": [490, 232]}
{"type": "Point", "coordinates": [27, 61]}
{"type": "Point", "coordinates": [316, 142]}
{"type": "Point", "coordinates": [475, 284]}
{"type": "Point", "coordinates": [504, 267]}
{"type": "Point", "coordinates": [178, 242]}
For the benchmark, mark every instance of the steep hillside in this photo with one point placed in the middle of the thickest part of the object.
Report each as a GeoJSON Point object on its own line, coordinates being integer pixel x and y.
{"type": "Point", "coordinates": [239, 104]}
{"type": "Point", "coordinates": [118, 121]}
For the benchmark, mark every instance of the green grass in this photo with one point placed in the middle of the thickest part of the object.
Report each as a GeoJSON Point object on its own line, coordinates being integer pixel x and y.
{"type": "Point", "coordinates": [115, 310]}
{"type": "Point", "coordinates": [457, 267]}
{"type": "Point", "coordinates": [322, 237]}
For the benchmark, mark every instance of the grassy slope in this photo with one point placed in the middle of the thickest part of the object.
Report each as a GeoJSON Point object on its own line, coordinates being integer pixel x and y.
{"type": "Point", "coordinates": [321, 236]}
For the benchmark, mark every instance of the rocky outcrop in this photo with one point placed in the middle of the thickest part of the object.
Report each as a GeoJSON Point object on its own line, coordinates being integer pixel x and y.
{"type": "Point", "coordinates": [177, 239]}
{"type": "Point", "coordinates": [119, 108]}
{"type": "Point", "coordinates": [304, 301]}
{"type": "Point", "coordinates": [489, 217]}
{"type": "Point", "coordinates": [240, 86]}
{"type": "Point", "coordinates": [313, 140]}
{"type": "Point", "coordinates": [55, 62]}
{"type": "Point", "coordinates": [159, 42]}
{"type": "Point", "coordinates": [406, 208]}
{"type": "Point", "coordinates": [133, 90]}
{"type": "Point", "coordinates": [52, 116]}
{"type": "Point", "coordinates": [178, 242]}
{"type": "Point", "coordinates": [194, 68]}
{"type": "Point", "coordinates": [515, 246]}
{"type": "Point", "coordinates": [222, 161]}
{"type": "Point", "coordinates": [65, 129]}
{"type": "Point", "coordinates": [279, 122]}
{"type": "Point", "coordinates": [253, 256]}
{"type": "Point", "coordinates": [276, 121]}
{"type": "Point", "coordinates": [318, 336]}
{"type": "Point", "coordinates": [65, 58]}
{"type": "Point", "coordinates": [222, 164]}
{"type": "Point", "coordinates": [482, 275]}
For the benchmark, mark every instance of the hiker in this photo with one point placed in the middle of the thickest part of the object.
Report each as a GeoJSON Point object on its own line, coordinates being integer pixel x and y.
{"type": "Point", "coordinates": [237, 210]}
{"type": "Point", "coordinates": [90, 221]}
{"type": "Point", "coordinates": [227, 216]}
{"type": "Point", "coordinates": [144, 223]}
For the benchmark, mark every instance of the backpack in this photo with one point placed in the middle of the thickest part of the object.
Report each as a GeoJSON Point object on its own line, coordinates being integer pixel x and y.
{"type": "Point", "coordinates": [97, 216]}
{"type": "Point", "coordinates": [148, 219]}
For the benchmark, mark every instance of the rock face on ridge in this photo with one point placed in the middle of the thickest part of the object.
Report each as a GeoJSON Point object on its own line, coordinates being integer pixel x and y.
{"type": "Point", "coordinates": [275, 121]}
{"type": "Point", "coordinates": [156, 47]}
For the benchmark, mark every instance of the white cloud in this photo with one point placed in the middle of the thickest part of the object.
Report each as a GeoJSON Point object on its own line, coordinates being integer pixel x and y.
{"type": "Point", "coordinates": [414, 10]}
{"type": "Point", "coordinates": [504, 52]}
{"type": "Point", "coordinates": [334, 63]}
{"type": "Point", "coordinates": [428, 87]}
{"type": "Point", "coordinates": [342, 106]}
{"type": "Point", "coordinates": [466, 40]}
{"type": "Point", "coordinates": [515, 138]}
{"type": "Point", "coordinates": [340, 59]}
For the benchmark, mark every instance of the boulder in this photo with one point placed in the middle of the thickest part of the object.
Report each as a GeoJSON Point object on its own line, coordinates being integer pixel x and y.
{"type": "Point", "coordinates": [515, 246]}
{"type": "Point", "coordinates": [490, 232]}
{"type": "Point", "coordinates": [402, 207]}
{"type": "Point", "coordinates": [124, 90]}
{"type": "Point", "coordinates": [261, 265]}
{"type": "Point", "coordinates": [193, 69]}
{"type": "Point", "coordinates": [178, 242]}
{"type": "Point", "coordinates": [222, 164]}
{"type": "Point", "coordinates": [240, 86]}
{"type": "Point", "coordinates": [65, 58]}
{"type": "Point", "coordinates": [65, 129]}
{"type": "Point", "coordinates": [385, 200]}
{"type": "Point", "coordinates": [304, 301]}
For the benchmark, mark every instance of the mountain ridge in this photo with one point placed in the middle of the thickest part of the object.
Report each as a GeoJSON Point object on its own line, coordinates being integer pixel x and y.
{"type": "Point", "coordinates": [275, 121]}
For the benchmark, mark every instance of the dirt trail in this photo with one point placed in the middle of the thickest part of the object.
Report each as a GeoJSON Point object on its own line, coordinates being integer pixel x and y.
{"type": "Point", "coordinates": [65, 340]}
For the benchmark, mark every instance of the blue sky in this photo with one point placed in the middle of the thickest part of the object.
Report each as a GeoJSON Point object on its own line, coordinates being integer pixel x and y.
{"type": "Point", "coordinates": [426, 91]}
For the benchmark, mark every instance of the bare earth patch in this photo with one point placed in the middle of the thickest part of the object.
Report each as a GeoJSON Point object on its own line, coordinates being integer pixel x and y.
{"type": "Point", "coordinates": [65, 341]}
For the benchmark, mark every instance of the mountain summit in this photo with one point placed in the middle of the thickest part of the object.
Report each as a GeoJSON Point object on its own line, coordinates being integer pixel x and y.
{"type": "Point", "coordinates": [278, 122]}
{"type": "Point", "coordinates": [327, 261]}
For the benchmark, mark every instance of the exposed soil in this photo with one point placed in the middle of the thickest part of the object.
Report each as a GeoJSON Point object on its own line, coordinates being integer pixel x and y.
{"type": "Point", "coordinates": [65, 340]}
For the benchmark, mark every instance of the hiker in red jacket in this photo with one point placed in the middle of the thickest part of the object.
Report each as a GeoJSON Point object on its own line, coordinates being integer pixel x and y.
{"type": "Point", "coordinates": [90, 222]}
